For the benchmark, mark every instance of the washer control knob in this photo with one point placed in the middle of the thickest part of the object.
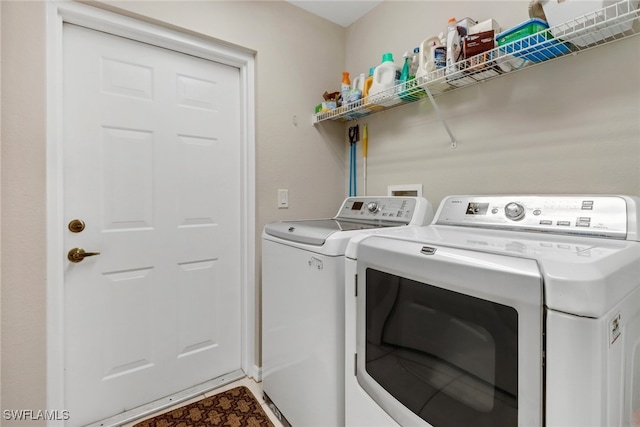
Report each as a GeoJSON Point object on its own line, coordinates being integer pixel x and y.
{"type": "Point", "coordinates": [514, 211]}
{"type": "Point", "coordinates": [373, 207]}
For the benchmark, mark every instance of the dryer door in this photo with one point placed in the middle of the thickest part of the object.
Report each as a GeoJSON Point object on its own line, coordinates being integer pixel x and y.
{"type": "Point", "coordinates": [449, 337]}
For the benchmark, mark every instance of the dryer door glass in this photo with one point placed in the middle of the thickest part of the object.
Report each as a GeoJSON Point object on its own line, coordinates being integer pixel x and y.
{"type": "Point", "coordinates": [450, 358]}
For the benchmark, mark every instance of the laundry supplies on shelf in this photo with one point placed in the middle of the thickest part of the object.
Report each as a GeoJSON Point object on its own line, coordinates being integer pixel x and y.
{"type": "Point", "coordinates": [529, 43]}
{"type": "Point", "coordinates": [385, 77]}
{"type": "Point", "coordinates": [368, 82]}
{"type": "Point", "coordinates": [358, 84]}
{"type": "Point", "coordinates": [531, 40]}
{"type": "Point", "coordinates": [345, 87]}
{"type": "Point", "coordinates": [456, 31]}
{"type": "Point", "coordinates": [432, 57]}
{"type": "Point", "coordinates": [409, 88]}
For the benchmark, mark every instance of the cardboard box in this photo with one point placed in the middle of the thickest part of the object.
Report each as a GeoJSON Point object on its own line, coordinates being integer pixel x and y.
{"type": "Point", "coordinates": [481, 27]}
{"type": "Point", "coordinates": [477, 50]}
{"type": "Point", "coordinates": [475, 44]}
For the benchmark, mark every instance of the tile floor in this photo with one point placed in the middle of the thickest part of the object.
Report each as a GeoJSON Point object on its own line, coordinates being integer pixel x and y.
{"type": "Point", "coordinates": [256, 389]}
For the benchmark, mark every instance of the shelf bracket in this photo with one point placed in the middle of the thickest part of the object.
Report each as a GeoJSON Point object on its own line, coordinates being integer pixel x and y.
{"type": "Point", "coordinates": [444, 122]}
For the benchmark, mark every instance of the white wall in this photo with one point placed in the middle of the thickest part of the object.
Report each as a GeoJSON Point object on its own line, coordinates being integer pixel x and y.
{"type": "Point", "coordinates": [568, 126]}
{"type": "Point", "coordinates": [23, 206]}
{"type": "Point", "coordinates": [0, 206]}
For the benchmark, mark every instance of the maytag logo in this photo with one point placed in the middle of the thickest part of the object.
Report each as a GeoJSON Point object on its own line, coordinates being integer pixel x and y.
{"type": "Point", "coordinates": [428, 250]}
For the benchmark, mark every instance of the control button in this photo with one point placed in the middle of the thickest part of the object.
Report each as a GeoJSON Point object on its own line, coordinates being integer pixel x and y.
{"type": "Point", "coordinates": [583, 222]}
{"type": "Point", "coordinates": [373, 207]}
{"type": "Point", "coordinates": [546, 222]}
{"type": "Point", "coordinates": [564, 223]}
{"type": "Point", "coordinates": [514, 211]}
{"type": "Point", "coordinates": [537, 212]}
{"type": "Point", "coordinates": [494, 211]}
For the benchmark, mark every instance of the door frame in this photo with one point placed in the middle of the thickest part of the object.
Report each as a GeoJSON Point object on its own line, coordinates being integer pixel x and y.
{"type": "Point", "coordinates": [59, 13]}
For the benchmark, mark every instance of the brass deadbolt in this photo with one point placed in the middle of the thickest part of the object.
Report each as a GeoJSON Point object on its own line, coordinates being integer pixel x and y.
{"type": "Point", "coordinates": [76, 225]}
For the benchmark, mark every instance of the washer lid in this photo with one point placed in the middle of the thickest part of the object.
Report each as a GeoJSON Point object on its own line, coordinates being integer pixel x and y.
{"type": "Point", "coordinates": [316, 231]}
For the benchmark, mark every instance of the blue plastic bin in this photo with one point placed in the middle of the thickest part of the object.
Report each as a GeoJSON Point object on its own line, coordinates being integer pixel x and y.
{"type": "Point", "coordinates": [526, 41]}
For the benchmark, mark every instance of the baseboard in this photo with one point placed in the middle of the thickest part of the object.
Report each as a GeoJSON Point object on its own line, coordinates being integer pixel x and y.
{"type": "Point", "coordinates": [255, 373]}
{"type": "Point", "coordinates": [166, 402]}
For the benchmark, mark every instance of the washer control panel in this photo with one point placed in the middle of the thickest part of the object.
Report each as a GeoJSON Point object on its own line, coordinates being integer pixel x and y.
{"type": "Point", "coordinates": [597, 216]}
{"type": "Point", "coordinates": [395, 209]}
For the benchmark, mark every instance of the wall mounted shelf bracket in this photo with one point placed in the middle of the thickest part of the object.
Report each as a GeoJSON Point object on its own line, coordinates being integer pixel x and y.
{"type": "Point", "coordinates": [454, 144]}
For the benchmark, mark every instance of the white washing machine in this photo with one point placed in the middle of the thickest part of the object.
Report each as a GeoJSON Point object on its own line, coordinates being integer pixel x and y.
{"type": "Point", "coordinates": [303, 304]}
{"type": "Point", "coordinates": [505, 311]}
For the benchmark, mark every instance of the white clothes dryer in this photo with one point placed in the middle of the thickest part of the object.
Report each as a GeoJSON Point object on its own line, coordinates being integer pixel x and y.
{"type": "Point", "coordinates": [505, 311]}
{"type": "Point", "coordinates": [303, 304]}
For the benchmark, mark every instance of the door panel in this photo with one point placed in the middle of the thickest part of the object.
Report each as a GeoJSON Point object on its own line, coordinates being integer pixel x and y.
{"type": "Point", "coordinates": [152, 166]}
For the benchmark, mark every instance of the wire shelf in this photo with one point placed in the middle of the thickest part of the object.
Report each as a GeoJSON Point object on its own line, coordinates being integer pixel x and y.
{"type": "Point", "coordinates": [601, 27]}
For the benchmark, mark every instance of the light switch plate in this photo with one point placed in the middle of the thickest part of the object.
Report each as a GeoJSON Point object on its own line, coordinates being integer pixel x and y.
{"type": "Point", "coordinates": [283, 199]}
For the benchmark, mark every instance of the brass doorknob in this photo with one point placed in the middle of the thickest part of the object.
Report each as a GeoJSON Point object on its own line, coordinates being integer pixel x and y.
{"type": "Point", "coordinates": [76, 225]}
{"type": "Point", "coordinates": [78, 254]}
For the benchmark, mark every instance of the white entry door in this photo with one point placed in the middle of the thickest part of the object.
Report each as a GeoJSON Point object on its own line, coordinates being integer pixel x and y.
{"type": "Point", "coordinates": [152, 168]}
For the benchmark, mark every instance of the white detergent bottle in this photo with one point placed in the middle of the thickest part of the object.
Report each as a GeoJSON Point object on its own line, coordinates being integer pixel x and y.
{"type": "Point", "coordinates": [426, 58]}
{"type": "Point", "coordinates": [385, 77]}
{"type": "Point", "coordinates": [454, 46]}
{"type": "Point", "coordinates": [358, 83]}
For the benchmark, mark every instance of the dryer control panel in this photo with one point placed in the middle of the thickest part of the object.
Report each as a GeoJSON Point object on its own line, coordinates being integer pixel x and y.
{"type": "Point", "coordinates": [404, 210]}
{"type": "Point", "coordinates": [612, 217]}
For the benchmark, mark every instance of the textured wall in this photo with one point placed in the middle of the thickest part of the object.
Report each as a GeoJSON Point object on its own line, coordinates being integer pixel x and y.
{"type": "Point", "coordinates": [23, 206]}
{"type": "Point", "coordinates": [566, 126]}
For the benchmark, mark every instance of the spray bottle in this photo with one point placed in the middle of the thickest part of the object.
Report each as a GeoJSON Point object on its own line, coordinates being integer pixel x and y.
{"type": "Point", "coordinates": [410, 90]}
{"type": "Point", "coordinates": [345, 87]}
{"type": "Point", "coordinates": [405, 76]}
{"type": "Point", "coordinates": [405, 73]}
